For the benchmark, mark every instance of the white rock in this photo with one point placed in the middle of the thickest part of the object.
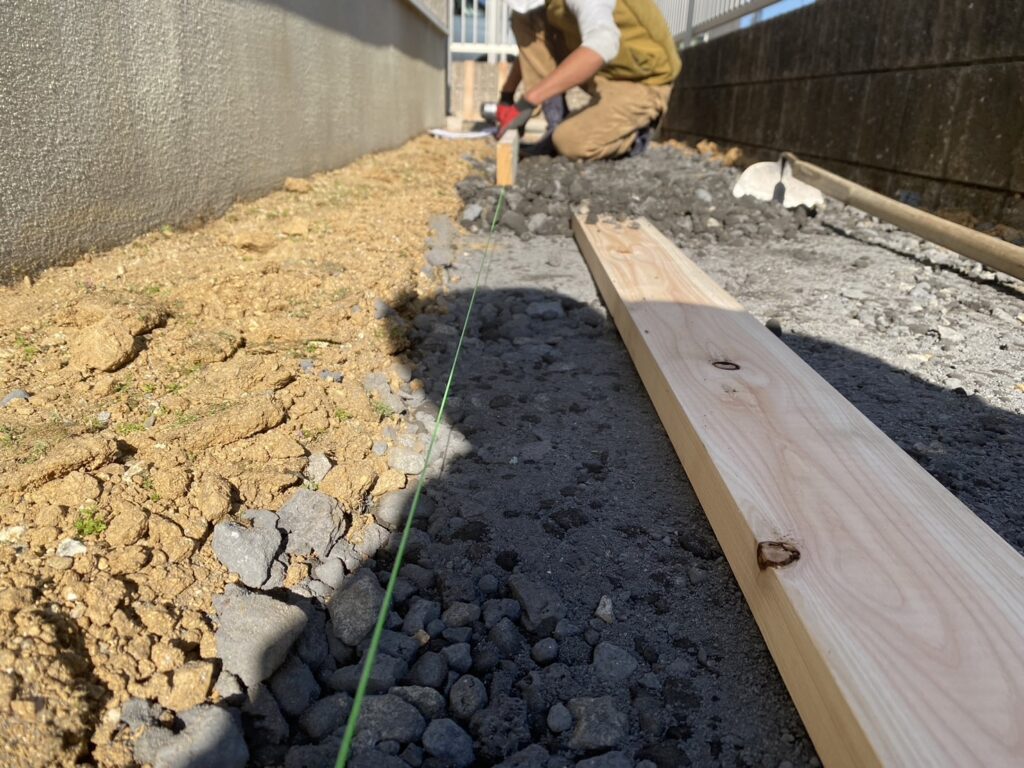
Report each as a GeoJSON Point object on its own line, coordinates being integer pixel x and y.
{"type": "Point", "coordinates": [604, 610]}
{"type": "Point", "coordinates": [70, 548]}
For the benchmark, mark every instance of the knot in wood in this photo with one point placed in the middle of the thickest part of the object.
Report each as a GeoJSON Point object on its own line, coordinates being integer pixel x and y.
{"type": "Point", "coordinates": [776, 554]}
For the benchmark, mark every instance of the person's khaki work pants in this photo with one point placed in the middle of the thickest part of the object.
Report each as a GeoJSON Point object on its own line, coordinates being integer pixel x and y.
{"type": "Point", "coordinates": [609, 125]}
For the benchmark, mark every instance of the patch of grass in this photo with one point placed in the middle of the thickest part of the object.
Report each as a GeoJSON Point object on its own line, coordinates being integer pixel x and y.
{"type": "Point", "coordinates": [28, 349]}
{"type": "Point", "coordinates": [149, 388]}
{"type": "Point", "coordinates": [152, 289]}
{"type": "Point", "coordinates": [186, 418]}
{"type": "Point", "coordinates": [342, 415]}
{"type": "Point", "coordinates": [9, 435]}
{"type": "Point", "coordinates": [39, 450]}
{"type": "Point", "coordinates": [128, 427]}
{"type": "Point", "coordinates": [313, 435]}
{"type": "Point", "coordinates": [382, 409]}
{"type": "Point", "coordinates": [89, 523]}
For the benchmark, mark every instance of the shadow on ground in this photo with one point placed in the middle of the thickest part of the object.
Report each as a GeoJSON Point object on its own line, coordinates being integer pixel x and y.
{"type": "Point", "coordinates": [557, 486]}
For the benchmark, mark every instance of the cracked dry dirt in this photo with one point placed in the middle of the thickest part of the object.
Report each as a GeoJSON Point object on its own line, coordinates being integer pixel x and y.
{"type": "Point", "coordinates": [170, 386]}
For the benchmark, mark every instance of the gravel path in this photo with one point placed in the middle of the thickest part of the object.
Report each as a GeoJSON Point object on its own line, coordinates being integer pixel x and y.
{"type": "Point", "coordinates": [564, 602]}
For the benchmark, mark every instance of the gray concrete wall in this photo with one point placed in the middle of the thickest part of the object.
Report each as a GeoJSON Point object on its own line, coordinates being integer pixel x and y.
{"type": "Point", "coordinates": [120, 116]}
{"type": "Point", "coordinates": [920, 100]}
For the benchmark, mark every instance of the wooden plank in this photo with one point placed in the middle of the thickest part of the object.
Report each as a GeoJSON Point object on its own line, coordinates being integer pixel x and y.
{"type": "Point", "coordinates": [507, 159]}
{"type": "Point", "coordinates": [894, 614]}
{"type": "Point", "coordinates": [990, 251]}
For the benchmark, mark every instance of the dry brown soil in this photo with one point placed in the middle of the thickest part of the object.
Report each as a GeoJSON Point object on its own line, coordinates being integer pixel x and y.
{"type": "Point", "coordinates": [166, 395]}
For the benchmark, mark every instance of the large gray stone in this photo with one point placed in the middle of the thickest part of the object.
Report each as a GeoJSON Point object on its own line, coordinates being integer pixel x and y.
{"type": "Point", "coordinates": [326, 716]}
{"type": "Point", "coordinates": [212, 738]}
{"type": "Point", "coordinates": [317, 467]}
{"type": "Point", "coordinates": [246, 551]}
{"type": "Point", "coordinates": [312, 646]}
{"type": "Point", "coordinates": [599, 723]}
{"type": "Point", "coordinates": [313, 520]}
{"type": "Point", "coordinates": [385, 673]}
{"type": "Point", "coordinates": [429, 671]}
{"type": "Point", "coordinates": [406, 460]}
{"type": "Point", "coordinates": [388, 718]}
{"type": "Point", "coordinates": [294, 686]}
{"type": "Point", "coordinates": [394, 644]}
{"type": "Point", "coordinates": [372, 537]}
{"type": "Point", "coordinates": [466, 697]}
{"type": "Point", "coordinates": [613, 663]}
{"type": "Point", "coordinates": [393, 508]}
{"type": "Point", "coordinates": [501, 728]}
{"type": "Point", "coordinates": [255, 633]}
{"type": "Point", "coordinates": [428, 701]}
{"type": "Point", "coordinates": [265, 716]}
{"type": "Point", "coordinates": [559, 718]}
{"type": "Point", "coordinates": [355, 606]}
{"type": "Point", "coordinates": [446, 741]}
{"type": "Point", "coordinates": [542, 607]}
{"type": "Point", "coordinates": [420, 613]}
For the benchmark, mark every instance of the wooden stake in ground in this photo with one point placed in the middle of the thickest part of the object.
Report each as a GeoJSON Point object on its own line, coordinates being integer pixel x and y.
{"type": "Point", "coordinates": [894, 614]}
{"type": "Point", "coordinates": [507, 159]}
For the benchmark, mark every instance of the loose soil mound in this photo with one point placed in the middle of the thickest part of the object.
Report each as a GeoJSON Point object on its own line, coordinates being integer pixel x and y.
{"type": "Point", "coordinates": [172, 383]}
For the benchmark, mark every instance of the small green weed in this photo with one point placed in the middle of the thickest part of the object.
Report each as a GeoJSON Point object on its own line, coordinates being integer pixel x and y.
{"type": "Point", "coordinates": [342, 415]}
{"type": "Point", "coordinates": [89, 523]}
{"type": "Point", "coordinates": [9, 436]}
{"type": "Point", "coordinates": [38, 451]}
{"type": "Point", "coordinates": [28, 349]}
{"type": "Point", "coordinates": [186, 418]}
{"type": "Point", "coordinates": [382, 409]}
{"type": "Point", "coordinates": [129, 427]}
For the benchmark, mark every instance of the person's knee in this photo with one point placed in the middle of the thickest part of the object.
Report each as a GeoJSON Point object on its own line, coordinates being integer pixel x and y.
{"type": "Point", "coordinates": [573, 143]}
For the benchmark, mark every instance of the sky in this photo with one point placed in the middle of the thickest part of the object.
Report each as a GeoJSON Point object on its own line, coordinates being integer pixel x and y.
{"type": "Point", "coordinates": [784, 6]}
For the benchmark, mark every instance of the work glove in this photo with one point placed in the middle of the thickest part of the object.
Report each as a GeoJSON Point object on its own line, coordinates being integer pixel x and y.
{"type": "Point", "coordinates": [513, 116]}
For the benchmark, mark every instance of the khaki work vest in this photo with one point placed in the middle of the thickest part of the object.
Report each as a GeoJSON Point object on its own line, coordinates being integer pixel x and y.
{"type": "Point", "coordinates": [647, 52]}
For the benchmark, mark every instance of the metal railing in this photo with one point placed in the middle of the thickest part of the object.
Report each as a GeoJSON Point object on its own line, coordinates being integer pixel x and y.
{"type": "Point", "coordinates": [691, 19]}
{"type": "Point", "coordinates": [480, 28]}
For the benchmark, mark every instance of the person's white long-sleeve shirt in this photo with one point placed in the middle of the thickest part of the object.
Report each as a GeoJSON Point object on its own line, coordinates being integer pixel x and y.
{"type": "Point", "coordinates": [597, 26]}
{"type": "Point", "coordinates": [595, 19]}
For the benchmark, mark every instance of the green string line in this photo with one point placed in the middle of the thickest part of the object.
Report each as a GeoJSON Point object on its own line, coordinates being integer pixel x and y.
{"type": "Point", "coordinates": [385, 607]}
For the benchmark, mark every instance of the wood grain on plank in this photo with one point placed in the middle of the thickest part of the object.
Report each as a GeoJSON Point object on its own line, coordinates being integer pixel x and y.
{"type": "Point", "coordinates": [507, 159]}
{"type": "Point", "coordinates": [898, 626]}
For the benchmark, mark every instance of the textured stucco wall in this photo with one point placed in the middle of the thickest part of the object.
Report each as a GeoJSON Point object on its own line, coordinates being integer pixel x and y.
{"type": "Point", "coordinates": [120, 116]}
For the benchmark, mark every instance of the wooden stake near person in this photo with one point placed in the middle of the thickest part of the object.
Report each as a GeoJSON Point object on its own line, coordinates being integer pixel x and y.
{"type": "Point", "coordinates": [507, 159]}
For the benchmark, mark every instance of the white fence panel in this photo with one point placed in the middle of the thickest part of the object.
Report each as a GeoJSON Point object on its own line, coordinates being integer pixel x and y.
{"type": "Point", "coordinates": [480, 28]}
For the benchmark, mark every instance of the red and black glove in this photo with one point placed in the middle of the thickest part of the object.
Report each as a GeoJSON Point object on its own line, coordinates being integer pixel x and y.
{"type": "Point", "coordinates": [513, 116]}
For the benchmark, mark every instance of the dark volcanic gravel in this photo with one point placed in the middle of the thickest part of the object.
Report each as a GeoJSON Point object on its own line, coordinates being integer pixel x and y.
{"type": "Point", "coordinates": [564, 602]}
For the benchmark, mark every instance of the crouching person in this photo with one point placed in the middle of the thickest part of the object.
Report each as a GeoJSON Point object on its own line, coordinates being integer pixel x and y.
{"type": "Point", "coordinates": [620, 51]}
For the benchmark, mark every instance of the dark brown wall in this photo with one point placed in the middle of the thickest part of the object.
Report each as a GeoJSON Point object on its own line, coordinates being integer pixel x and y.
{"type": "Point", "coordinates": [918, 98]}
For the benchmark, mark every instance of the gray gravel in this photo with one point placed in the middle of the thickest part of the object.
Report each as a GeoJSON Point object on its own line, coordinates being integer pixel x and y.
{"type": "Point", "coordinates": [255, 633]}
{"type": "Point", "coordinates": [564, 601]}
